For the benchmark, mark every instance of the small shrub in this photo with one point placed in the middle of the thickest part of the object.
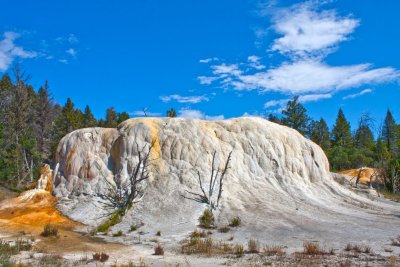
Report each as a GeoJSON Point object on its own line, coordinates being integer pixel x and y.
{"type": "Point", "coordinates": [115, 218]}
{"type": "Point", "coordinates": [207, 220]}
{"type": "Point", "coordinates": [49, 230]}
{"type": "Point", "coordinates": [231, 238]}
{"type": "Point", "coordinates": [235, 222]}
{"type": "Point", "coordinates": [133, 228]}
{"type": "Point", "coordinates": [101, 257]}
{"type": "Point", "coordinates": [367, 249]}
{"type": "Point", "coordinates": [198, 234]}
{"type": "Point", "coordinates": [159, 250]}
{"type": "Point", "coordinates": [310, 248]}
{"type": "Point", "coordinates": [348, 247]}
{"type": "Point", "coordinates": [253, 246]}
{"type": "Point", "coordinates": [119, 233]}
{"type": "Point", "coordinates": [158, 233]}
{"type": "Point", "coordinates": [51, 260]}
{"type": "Point", "coordinates": [274, 250]}
{"type": "Point", "coordinates": [238, 250]}
{"type": "Point", "coordinates": [224, 229]}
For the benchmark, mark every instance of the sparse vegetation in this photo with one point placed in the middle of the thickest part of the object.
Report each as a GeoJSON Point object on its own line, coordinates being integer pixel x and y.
{"type": "Point", "coordinates": [8, 249]}
{"type": "Point", "coordinates": [358, 249]}
{"type": "Point", "coordinates": [207, 246]}
{"type": "Point", "coordinates": [101, 257]}
{"type": "Point", "coordinates": [253, 246]}
{"type": "Point", "coordinates": [51, 260]}
{"type": "Point", "coordinates": [49, 230]}
{"type": "Point", "coordinates": [198, 234]}
{"type": "Point", "coordinates": [158, 233]}
{"type": "Point", "coordinates": [207, 219]}
{"type": "Point", "coordinates": [119, 233]}
{"type": "Point", "coordinates": [235, 222]}
{"type": "Point", "coordinates": [274, 251]}
{"type": "Point", "coordinates": [114, 219]}
{"type": "Point", "coordinates": [224, 229]}
{"type": "Point", "coordinates": [238, 250]}
{"type": "Point", "coordinates": [311, 248]}
{"type": "Point", "coordinates": [158, 250]}
{"type": "Point", "coordinates": [393, 261]}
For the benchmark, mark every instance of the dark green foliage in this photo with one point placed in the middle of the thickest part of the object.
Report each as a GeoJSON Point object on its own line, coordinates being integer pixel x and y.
{"type": "Point", "coordinates": [123, 116]}
{"type": "Point", "coordinates": [111, 118]}
{"type": "Point", "coordinates": [295, 116]}
{"type": "Point", "coordinates": [341, 132]}
{"type": "Point", "coordinates": [389, 134]}
{"type": "Point", "coordinates": [89, 119]}
{"type": "Point", "coordinates": [319, 133]}
{"type": "Point", "coordinates": [171, 113]}
{"type": "Point", "coordinates": [273, 118]}
{"type": "Point", "coordinates": [207, 220]}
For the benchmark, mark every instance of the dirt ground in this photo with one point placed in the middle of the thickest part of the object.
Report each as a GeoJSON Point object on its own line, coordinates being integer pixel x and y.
{"type": "Point", "coordinates": [24, 217]}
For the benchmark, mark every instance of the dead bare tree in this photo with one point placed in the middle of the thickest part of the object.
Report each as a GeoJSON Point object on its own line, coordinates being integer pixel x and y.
{"type": "Point", "coordinates": [122, 194]}
{"type": "Point", "coordinates": [209, 197]}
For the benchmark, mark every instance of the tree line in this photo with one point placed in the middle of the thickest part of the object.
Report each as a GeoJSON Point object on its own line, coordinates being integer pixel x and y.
{"type": "Point", "coordinates": [32, 124]}
{"type": "Point", "coordinates": [346, 149]}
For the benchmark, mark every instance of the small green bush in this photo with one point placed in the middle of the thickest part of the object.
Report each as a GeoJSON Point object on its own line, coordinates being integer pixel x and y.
{"type": "Point", "coordinates": [119, 233]}
{"type": "Point", "coordinates": [207, 220]}
{"type": "Point", "coordinates": [224, 229]}
{"type": "Point", "coordinates": [235, 222]}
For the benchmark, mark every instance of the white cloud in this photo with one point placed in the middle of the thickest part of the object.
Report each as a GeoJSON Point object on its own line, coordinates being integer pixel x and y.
{"type": "Point", "coordinates": [208, 60]}
{"type": "Point", "coordinates": [274, 103]}
{"type": "Point", "coordinates": [197, 114]}
{"type": "Point", "coordinates": [307, 31]}
{"type": "Point", "coordinates": [313, 98]}
{"type": "Point", "coordinates": [254, 62]}
{"type": "Point", "coordinates": [184, 99]}
{"type": "Point", "coordinates": [363, 92]}
{"type": "Point", "coordinates": [206, 79]}
{"type": "Point", "coordinates": [9, 51]}
{"type": "Point", "coordinates": [305, 76]}
{"type": "Point", "coordinates": [143, 113]}
{"type": "Point", "coordinates": [71, 52]}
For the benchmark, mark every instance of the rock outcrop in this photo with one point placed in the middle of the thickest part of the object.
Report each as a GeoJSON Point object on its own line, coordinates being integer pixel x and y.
{"type": "Point", "coordinates": [277, 178]}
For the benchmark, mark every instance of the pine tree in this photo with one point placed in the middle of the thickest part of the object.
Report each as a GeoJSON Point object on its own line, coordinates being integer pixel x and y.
{"type": "Point", "coordinates": [88, 119]}
{"type": "Point", "coordinates": [319, 133]}
{"type": "Point", "coordinates": [273, 118]}
{"type": "Point", "coordinates": [389, 134]}
{"type": "Point", "coordinates": [111, 118]}
{"type": "Point", "coordinates": [171, 113]}
{"type": "Point", "coordinates": [341, 131]}
{"type": "Point", "coordinates": [295, 116]}
{"type": "Point", "coordinates": [123, 116]}
{"type": "Point", "coordinates": [44, 116]}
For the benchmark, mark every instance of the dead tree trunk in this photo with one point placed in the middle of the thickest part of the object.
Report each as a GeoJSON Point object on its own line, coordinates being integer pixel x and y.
{"type": "Point", "coordinates": [209, 197]}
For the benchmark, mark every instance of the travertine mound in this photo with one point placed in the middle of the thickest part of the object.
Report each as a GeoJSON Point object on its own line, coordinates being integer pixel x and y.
{"type": "Point", "coordinates": [277, 181]}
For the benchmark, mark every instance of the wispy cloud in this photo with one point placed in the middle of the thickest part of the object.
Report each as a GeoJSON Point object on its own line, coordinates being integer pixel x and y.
{"type": "Point", "coordinates": [305, 76]}
{"type": "Point", "coordinates": [306, 35]}
{"type": "Point", "coordinates": [9, 50]}
{"type": "Point", "coordinates": [70, 39]}
{"type": "Point", "coordinates": [363, 92]}
{"type": "Point", "coordinates": [307, 31]}
{"type": "Point", "coordinates": [143, 113]}
{"type": "Point", "coordinates": [72, 52]}
{"type": "Point", "coordinates": [208, 60]}
{"type": "Point", "coordinates": [184, 99]}
{"type": "Point", "coordinates": [197, 114]}
{"type": "Point", "coordinates": [302, 99]}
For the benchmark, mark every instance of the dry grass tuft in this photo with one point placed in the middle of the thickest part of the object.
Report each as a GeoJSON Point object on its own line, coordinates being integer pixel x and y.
{"type": "Point", "coordinates": [311, 248]}
{"type": "Point", "coordinates": [274, 251]}
{"type": "Point", "coordinates": [198, 234]}
{"type": "Point", "coordinates": [393, 261]}
{"type": "Point", "coordinates": [253, 246]}
{"type": "Point", "coordinates": [49, 230]}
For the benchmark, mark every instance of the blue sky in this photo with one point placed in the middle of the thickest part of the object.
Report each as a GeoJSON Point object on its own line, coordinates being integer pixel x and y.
{"type": "Point", "coordinates": [210, 59]}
